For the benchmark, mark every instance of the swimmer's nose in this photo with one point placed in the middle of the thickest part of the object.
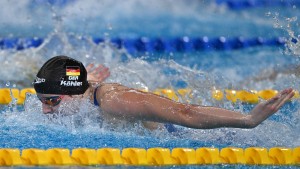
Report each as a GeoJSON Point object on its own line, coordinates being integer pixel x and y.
{"type": "Point", "coordinates": [47, 109]}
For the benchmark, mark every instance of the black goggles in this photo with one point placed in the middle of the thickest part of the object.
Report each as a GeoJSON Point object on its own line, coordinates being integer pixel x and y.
{"type": "Point", "coordinates": [51, 101]}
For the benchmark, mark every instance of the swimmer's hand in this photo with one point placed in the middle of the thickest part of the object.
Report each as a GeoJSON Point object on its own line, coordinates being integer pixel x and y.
{"type": "Point", "coordinates": [97, 73]}
{"type": "Point", "coordinates": [265, 109]}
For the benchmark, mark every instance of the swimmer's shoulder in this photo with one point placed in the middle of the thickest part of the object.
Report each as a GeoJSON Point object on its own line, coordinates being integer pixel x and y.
{"type": "Point", "coordinates": [103, 91]}
{"type": "Point", "coordinates": [96, 91]}
{"type": "Point", "coordinates": [105, 88]}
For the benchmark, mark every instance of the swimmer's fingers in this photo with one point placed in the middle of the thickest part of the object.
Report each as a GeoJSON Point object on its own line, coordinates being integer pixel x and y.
{"type": "Point", "coordinates": [90, 67]}
{"type": "Point", "coordinates": [280, 99]}
{"type": "Point", "coordinates": [99, 68]}
{"type": "Point", "coordinates": [98, 73]}
{"type": "Point", "coordinates": [103, 76]}
{"type": "Point", "coordinates": [285, 96]}
{"type": "Point", "coordinates": [103, 72]}
{"type": "Point", "coordinates": [273, 100]}
{"type": "Point", "coordinates": [271, 106]}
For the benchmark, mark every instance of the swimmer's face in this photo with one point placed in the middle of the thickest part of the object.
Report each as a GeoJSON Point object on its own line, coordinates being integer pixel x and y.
{"type": "Point", "coordinates": [51, 103]}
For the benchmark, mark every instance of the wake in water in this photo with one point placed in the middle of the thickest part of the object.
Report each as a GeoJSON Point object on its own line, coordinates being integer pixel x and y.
{"type": "Point", "coordinates": [282, 73]}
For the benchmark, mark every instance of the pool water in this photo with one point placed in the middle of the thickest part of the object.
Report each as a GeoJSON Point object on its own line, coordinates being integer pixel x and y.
{"type": "Point", "coordinates": [67, 28]}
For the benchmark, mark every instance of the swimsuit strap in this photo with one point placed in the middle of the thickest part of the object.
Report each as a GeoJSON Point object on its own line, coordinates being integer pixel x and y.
{"type": "Point", "coordinates": [95, 98]}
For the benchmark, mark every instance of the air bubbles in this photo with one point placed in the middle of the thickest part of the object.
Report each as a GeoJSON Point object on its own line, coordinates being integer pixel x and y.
{"type": "Point", "coordinates": [109, 26]}
{"type": "Point", "coordinates": [205, 39]}
{"type": "Point", "coordinates": [186, 39]}
{"type": "Point", "coordinates": [7, 84]}
{"type": "Point", "coordinates": [222, 39]}
{"type": "Point", "coordinates": [268, 13]}
{"type": "Point", "coordinates": [106, 34]}
{"type": "Point", "coordinates": [288, 24]}
{"type": "Point", "coordinates": [292, 19]}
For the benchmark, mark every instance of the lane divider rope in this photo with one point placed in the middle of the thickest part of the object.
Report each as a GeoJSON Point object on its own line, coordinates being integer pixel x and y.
{"type": "Point", "coordinates": [18, 96]}
{"type": "Point", "coordinates": [156, 156]}
{"type": "Point", "coordinates": [246, 4]}
{"type": "Point", "coordinates": [178, 44]}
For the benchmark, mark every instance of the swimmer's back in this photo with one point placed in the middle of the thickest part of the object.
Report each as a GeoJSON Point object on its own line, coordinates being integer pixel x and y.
{"type": "Point", "coordinates": [108, 90]}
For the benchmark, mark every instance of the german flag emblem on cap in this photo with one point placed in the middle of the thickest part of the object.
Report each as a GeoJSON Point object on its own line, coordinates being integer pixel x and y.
{"type": "Point", "coordinates": [72, 71]}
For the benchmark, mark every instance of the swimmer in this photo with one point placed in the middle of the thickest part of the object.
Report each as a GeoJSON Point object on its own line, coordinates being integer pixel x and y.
{"type": "Point", "coordinates": [62, 78]}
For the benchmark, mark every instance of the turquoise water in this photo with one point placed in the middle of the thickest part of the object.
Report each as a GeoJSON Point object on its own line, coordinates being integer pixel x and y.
{"type": "Point", "coordinates": [63, 26]}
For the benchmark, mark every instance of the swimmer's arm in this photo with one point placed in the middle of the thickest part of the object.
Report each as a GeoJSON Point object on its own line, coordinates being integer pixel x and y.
{"type": "Point", "coordinates": [130, 103]}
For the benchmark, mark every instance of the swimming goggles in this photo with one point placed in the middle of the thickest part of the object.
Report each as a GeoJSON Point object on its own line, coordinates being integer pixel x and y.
{"type": "Point", "coordinates": [51, 101]}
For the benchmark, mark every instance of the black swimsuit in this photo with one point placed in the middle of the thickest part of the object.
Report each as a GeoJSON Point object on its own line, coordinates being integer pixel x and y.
{"type": "Point", "coordinates": [95, 98]}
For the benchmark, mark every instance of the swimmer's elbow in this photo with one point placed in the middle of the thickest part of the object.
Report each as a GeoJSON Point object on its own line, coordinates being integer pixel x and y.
{"type": "Point", "coordinates": [251, 126]}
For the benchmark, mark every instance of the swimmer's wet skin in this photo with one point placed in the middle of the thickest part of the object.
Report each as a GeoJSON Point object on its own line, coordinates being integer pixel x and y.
{"type": "Point", "coordinates": [64, 76]}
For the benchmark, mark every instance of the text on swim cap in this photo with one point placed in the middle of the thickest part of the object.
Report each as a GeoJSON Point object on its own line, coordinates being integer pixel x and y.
{"type": "Point", "coordinates": [70, 83]}
{"type": "Point", "coordinates": [73, 77]}
{"type": "Point", "coordinates": [39, 80]}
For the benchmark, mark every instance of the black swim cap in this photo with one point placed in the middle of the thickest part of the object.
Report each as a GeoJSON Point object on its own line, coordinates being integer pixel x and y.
{"type": "Point", "coordinates": [61, 75]}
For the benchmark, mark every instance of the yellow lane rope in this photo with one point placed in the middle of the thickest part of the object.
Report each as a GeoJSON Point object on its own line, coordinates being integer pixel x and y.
{"type": "Point", "coordinates": [251, 96]}
{"type": "Point", "coordinates": [156, 156]}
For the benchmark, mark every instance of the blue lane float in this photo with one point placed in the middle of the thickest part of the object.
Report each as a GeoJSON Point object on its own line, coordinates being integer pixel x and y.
{"type": "Point", "coordinates": [20, 43]}
{"type": "Point", "coordinates": [187, 44]}
{"type": "Point", "coordinates": [178, 44]}
{"type": "Point", "coordinates": [244, 4]}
